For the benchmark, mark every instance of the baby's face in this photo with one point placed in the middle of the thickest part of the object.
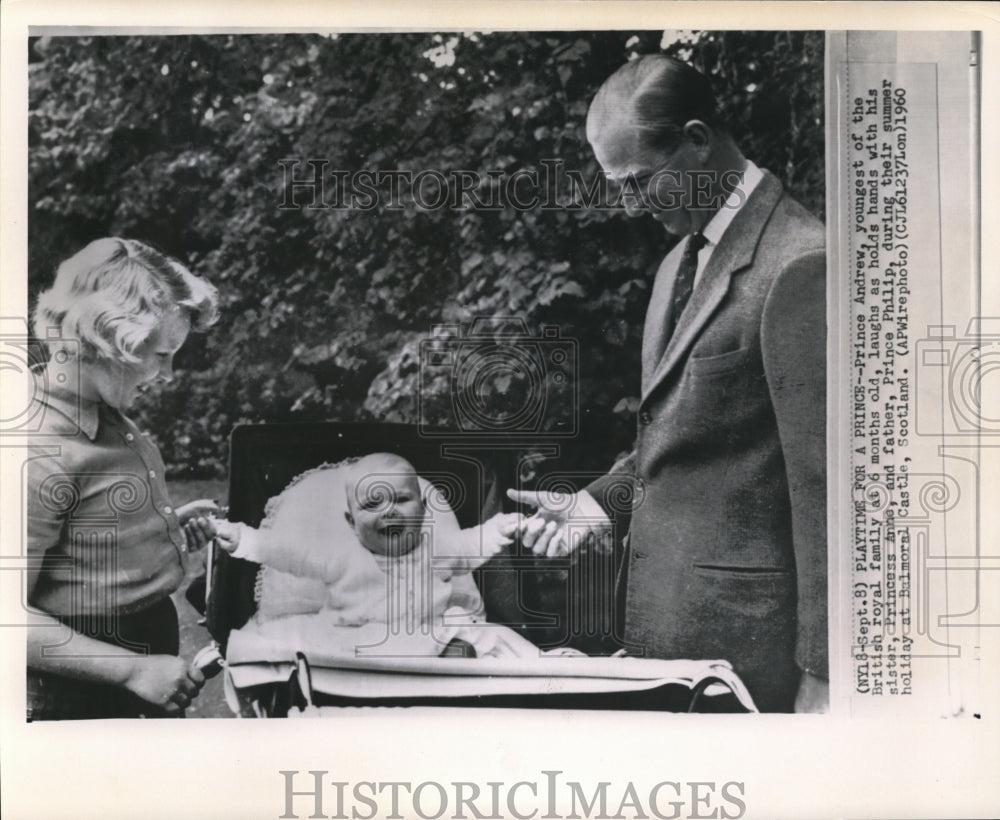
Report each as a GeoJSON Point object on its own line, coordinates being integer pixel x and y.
{"type": "Point", "coordinates": [387, 512]}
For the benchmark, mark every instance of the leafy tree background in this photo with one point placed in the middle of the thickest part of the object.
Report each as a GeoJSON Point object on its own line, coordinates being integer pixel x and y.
{"type": "Point", "coordinates": [177, 140]}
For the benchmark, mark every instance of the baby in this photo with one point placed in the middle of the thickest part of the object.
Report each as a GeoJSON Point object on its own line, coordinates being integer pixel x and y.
{"type": "Point", "coordinates": [407, 569]}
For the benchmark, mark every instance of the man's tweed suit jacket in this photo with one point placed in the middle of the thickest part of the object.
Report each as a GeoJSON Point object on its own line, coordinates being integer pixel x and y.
{"type": "Point", "coordinates": [727, 545]}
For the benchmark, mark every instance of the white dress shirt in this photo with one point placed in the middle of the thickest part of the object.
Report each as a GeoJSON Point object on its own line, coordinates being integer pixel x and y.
{"type": "Point", "coordinates": [720, 221]}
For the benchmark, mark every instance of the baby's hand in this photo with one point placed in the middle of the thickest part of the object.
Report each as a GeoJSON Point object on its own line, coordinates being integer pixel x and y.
{"type": "Point", "coordinates": [227, 534]}
{"type": "Point", "coordinates": [499, 531]}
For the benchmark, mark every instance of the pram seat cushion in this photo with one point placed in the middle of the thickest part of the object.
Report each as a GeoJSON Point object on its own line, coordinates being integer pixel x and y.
{"type": "Point", "coordinates": [309, 513]}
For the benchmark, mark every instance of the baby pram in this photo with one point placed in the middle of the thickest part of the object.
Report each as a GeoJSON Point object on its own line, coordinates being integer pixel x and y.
{"type": "Point", "coordinates": [551, 602]}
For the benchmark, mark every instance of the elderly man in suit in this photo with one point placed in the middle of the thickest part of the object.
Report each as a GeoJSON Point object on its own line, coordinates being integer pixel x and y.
{"type": "Point", "coordinates": [727, 545]}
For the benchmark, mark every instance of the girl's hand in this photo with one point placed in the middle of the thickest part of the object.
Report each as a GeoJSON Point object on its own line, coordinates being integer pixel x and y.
{"type": "Point", "coordinates": [165, 680]}
{"type": "Point", "coordinates": [196, 521]}
{"type": "Point", "coordinates": [203, 507]}
{"type": "Point", "coordinates": [499, 531]}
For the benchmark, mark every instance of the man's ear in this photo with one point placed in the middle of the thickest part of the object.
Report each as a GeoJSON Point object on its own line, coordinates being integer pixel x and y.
{"type": "Point", "coordinates": [701, 136]}
{"type": "Point", "coordinates": [349, 518]}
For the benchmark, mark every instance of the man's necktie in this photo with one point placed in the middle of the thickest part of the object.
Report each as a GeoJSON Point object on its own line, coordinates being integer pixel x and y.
{"type": "Point", "coordinates": [684, 282]}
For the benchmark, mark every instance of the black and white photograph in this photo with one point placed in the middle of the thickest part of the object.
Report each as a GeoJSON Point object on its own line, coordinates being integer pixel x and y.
{"type": "Point", "coordinates": [329, 275]}
{"type": "Point", "coordinates": [449, 393]}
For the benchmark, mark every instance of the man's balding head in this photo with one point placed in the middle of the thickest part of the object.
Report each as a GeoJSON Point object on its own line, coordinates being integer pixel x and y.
{"type": "Point", "coordinates": [653, 97]}
{"type": "Point", "coordinates": [654, 125]}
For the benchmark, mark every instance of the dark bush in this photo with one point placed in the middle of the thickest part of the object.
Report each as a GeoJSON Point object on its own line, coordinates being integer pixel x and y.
{"type": "Point", "coordinates": [178, 140]}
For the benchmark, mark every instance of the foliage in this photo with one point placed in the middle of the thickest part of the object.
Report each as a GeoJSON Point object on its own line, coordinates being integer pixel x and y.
{"type": "Point", "coordinates": [179, 140]}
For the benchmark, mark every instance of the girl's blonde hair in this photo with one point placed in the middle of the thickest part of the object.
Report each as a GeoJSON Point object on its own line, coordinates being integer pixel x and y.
{"type": "Point", "coordinates": [110, 296]}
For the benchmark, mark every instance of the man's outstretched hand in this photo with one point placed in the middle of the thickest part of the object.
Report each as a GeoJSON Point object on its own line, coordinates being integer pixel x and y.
{"type": "Point", "coordinates": [562, 521]}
